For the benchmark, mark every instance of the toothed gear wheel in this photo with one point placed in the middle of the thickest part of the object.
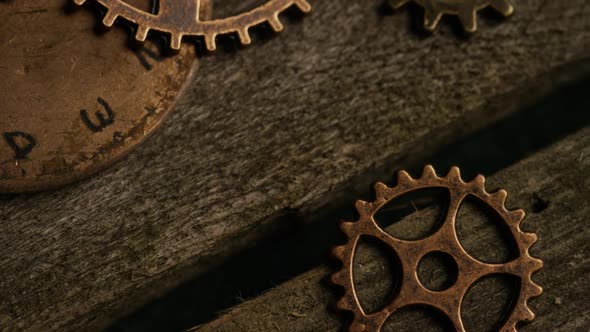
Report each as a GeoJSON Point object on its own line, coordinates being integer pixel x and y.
{"type": "Point", "coordinates": [445, 240]}
{"type": "Point", "coordinates": [182, 18]}
{"type": "Point", "coordinates": [465, 9]}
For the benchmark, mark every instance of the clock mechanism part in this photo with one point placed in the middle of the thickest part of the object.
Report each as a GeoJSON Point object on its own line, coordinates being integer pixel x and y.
{"type": "Point", "coordinates": [411, 291]}
{"type": "Point", "coordinates": [465, 9]}
{"type": "Point", "coordinates": [181, 18]}
{"type": "Point", "coordinates": [73, 102]}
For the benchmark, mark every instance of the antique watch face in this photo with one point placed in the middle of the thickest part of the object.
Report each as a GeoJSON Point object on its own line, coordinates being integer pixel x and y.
{"type": "Point", "coordinates": [73, 100]}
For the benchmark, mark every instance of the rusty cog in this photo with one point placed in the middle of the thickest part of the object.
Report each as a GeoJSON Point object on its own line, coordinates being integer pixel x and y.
{"type": "Point", "coordinates": [465, 9]}
{"type": "Point", "coordinates": [183, 18]}
{"type": "Point", "coordinates": [444, 240]}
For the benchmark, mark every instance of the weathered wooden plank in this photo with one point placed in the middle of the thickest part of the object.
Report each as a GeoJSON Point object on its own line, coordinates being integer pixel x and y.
{"type": "Point", "coordinates": [277, 127]}
{"type": "Point", "coordinates": [559, 176]}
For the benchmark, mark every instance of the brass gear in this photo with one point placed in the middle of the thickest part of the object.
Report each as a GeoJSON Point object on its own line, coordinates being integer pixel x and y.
{"type": "Point", "coordinates": [465, 9]}
{"type": "Point", "coordinates": [182, 18]}
{"type": "Point", "coordinates": [444, 240]}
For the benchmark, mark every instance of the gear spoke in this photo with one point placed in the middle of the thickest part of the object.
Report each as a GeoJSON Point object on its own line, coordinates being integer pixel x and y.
{"type": "Point", "coordinates": [452, 212]}
{"type": "Point", "coordinates": [503, 6]}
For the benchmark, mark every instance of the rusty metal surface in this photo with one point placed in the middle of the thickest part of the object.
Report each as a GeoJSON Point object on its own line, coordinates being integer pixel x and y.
{"type": "Point", "coordinates": [465, 9]}
{"type": "Point", "coordinates": [181, 18]}
{"type": "Point", "coordinates": [445, 240]}
{"type": "Point", "coordinates": [73, 101]}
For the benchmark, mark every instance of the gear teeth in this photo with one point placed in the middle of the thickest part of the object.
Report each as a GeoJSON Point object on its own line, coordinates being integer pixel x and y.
{"type": "Point", "coordinates": [109, 19]}
{"type": "Point", "coordinates": [275, 23]}
{"type": "Point", "coordinates": [210, 42]}
{"type": "Point", "coordinates": [538, 264]}
{"type": "Point", "coordinates": [338, 251]}
{"type": "Point", "coordinates": [244, 36]}
{"type": "Point", "coordinates": [303, 6]}
{"type": "Point", "coordinates": [381, 191]}
{"type": "Point", "coordinates": [428, 172]}
{"type": "Point", "coordinates": [431, 19]}
{"type": "Point", "coordinates": [455, 174]}
{"type": "Point", "coordinates": [342, 304]}
{"type": "Point", "coordinates": [536, 290]}
{"type": "Point", "coordinates": [528, 314]}
{"type": "Point", "coordinates": [499, 197]}
{"type": "Point", "coordinates": [338, 277]}
{"type": "Point", "coordinates": [505, 7]}
{"type": "Point", "coordinates": [529, 239]}
{"type": "Point", "coordinates": [480, 181]}
{"type": "Point", "coordinates": [518, 215]}
{"type": "Point", "coordinates": [347, 227]}
{"type": "Point", "coordinates": [404, 177]}
{"type": "Point", "coordinates": [141, 33]}
{"type": "Point", "coordinates": [363, 207]}
{"type": "Point", "coordinates": [515, 217]}
{"type": "Point", "coordinates": [175, 41]}
{"type": "Point", "coordinates": [468, 17]}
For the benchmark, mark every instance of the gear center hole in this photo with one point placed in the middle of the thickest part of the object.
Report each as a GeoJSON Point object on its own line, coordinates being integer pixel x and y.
{"type": "Point", "coordinates": [437, 271]}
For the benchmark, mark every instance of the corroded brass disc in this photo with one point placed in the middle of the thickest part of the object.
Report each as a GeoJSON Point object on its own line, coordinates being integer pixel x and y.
{"type": "Point", "coordinates": [73, 101]}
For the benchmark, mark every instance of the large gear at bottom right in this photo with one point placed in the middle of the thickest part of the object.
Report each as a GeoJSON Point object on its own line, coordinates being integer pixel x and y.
{"type": "Point", "coordinates": [465, 9]}
{"type": "Point", "coordinates": [445, 239]}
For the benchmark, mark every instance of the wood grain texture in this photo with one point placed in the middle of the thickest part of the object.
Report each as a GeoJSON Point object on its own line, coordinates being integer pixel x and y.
{"type": "Point", "coordinates": [558, 175]}
{"type": "Point", "coordinates": [280, 126]}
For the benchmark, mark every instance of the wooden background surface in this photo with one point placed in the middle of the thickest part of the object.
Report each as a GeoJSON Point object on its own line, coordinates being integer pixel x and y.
{"type": "Point", "coordinates": [291, 125]}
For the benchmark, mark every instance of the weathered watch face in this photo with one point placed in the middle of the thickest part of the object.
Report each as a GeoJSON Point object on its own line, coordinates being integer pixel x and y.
{"type": "Point", "coordinates": [72, 100]}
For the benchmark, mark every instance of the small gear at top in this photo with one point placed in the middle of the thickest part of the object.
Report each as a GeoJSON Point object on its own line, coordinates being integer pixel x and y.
{"type": "Point", "coordinates": [465, 9]}
{"type": "Point", "coordinates": [411, 291]}
{"type": "Point", "coordinates": [184, 18]}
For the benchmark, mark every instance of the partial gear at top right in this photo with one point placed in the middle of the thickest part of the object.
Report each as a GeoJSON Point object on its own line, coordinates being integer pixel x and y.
{"type": "Point", "coordinates": [465, 9]}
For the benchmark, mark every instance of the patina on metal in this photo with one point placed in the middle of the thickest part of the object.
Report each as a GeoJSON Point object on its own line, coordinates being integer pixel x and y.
{"type": "Point", "coordinates": [183, 18]}
{"type": "Point", "coordinates": [72, 101]}
{"type": "Point", "coordinates": [445, 240]}
{"type": "Point", "coordinates": [465, 9]}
